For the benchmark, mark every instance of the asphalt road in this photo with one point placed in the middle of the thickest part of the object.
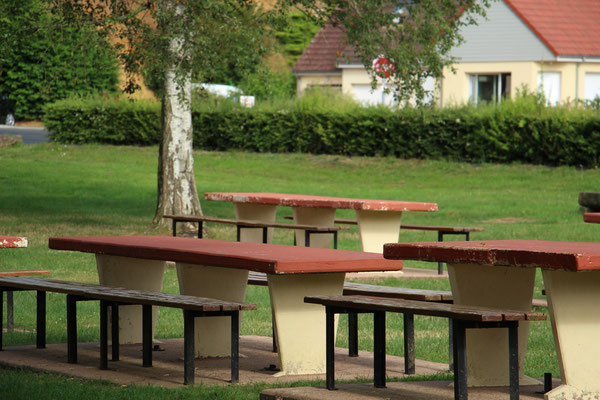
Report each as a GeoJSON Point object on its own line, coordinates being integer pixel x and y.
{"type": "Point", "coordinates": [31, 135]}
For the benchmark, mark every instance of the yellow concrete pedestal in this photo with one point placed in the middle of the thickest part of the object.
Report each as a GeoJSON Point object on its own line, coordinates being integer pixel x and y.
{"type": "Point", "coordinates": [255, 212]}
{"type": "Point", "coordinates": [131, 273]}
{"type": "Point", "coordinates": [314, 216]}
{"type": "Point", "coordinates": [487, 349]}
{"type": "Point", "coordinates": [300, 326]}
{"type": "Point", "coordinates": [213, 334]}
{"type": "Point", "coordinates": [573, 302]}
{"type": "Point", "coordinates": [377, 228]}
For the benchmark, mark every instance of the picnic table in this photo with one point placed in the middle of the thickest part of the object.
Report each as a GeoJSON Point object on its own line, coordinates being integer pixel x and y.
{"type": "Point", "coordinates": [501, 273]}
{"type": "Point", "coordinates": [378, 220]}
{"type": "Point", "coordinates": [219, 269]}
{"type": "Point", "coordinates": [593, 218]}
{"type": "Point", "coordinates": [8, 242]}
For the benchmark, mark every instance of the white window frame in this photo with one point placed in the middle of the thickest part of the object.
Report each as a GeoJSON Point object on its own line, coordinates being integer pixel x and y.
{"type": "Point", "coordinates": [549, 83]}
{"type": "Point", "coordinates": [474, 86]}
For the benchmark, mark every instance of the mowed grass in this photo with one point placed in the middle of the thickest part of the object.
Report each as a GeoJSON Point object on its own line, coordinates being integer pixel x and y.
{"type": "Point", "coordinates": [56, 190]}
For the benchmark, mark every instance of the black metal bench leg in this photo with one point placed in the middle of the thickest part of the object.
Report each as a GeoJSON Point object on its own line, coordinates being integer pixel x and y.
{"type": "Point", "coordinates": [307, 238]}
{"type": "Point", "coordinates": [235, 347]}
{"type": "Point", "coordinates": [352, 334]}
{"type": "Point", "coordinates": [440, 264]}
{"type": "Point", "coordinates": [513, 360]}
{"type": "Point", "coordinates": [409, 344]}
{"type": "Point", "coordinates": [335, 235]}
{"type": "Point", "coordinates": [200, 227]}
{"type": "Point", "coordinates": [71, 329]}
{"type": "Point", "coordinates": [10, 319]}
{"type": "Point", "coordinates": [330, 348]}
{"type": "Point", "coordinates": [274, 334]}
{"type": "Point", "coordinates": [1, 315]}
{"type": "Point", "coordinates": [147, 335]}
{"type": "Point", "coordinates": [265, 235]}
{"type": "Point", "coordinates": [450, 345]}
{"type": "Point", "coordinates": [114, 328]}
{"type": "Point", "coordinates": [460, 360]}
{"type": "Point", "coordinates": [103, 334]}
{"type": "Point", "coordinates": [41, 320]}
{"type": "Point", "coordinates": [379, 348]}
{"type": "Point", "coordinates": [174, 224]}
{"type": "Point", "coordinates": [188, 348]}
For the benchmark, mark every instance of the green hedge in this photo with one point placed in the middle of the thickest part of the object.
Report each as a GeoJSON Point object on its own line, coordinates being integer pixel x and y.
{"type": "Point", "coordinates": [503, 134]}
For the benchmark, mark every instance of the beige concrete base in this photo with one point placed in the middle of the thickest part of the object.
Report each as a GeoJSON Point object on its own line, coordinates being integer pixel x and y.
{"type": "Point", "coordinates": [255, 212]}
{"type": "Point", "coordinates": [213, 334]}
{"type": "Point", "coordinates": [377, 228]}
{"type": "Point", "coordinates": [301, 326]}
{"type": "Point", "coordinates": [131, 273]}
{"type": "Point", "coordinates": [314, 216]}
{"type": "Point", "coordinates": [492, 286]}
{"type": "Point", "coordinates": [573, 300]}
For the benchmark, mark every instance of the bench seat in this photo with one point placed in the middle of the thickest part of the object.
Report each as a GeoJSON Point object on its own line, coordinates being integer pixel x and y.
{"type": "Point", "coordinates": [114, 297]}
{"type": "Point", "coordinates": [463, 317]}
{"type": "Point", "coordinates": [249, 224]}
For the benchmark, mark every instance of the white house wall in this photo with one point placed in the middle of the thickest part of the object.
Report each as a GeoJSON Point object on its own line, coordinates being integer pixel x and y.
{"type": "Point", "coordinates": [502, 37]}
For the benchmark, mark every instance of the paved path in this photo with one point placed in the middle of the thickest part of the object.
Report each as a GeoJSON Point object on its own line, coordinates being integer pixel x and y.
{"type": "Point", "coordinates": [30, 134]}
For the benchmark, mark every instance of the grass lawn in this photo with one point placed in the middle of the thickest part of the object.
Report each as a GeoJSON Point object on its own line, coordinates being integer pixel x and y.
{"type": "Point", "coordinates": [55, 190]}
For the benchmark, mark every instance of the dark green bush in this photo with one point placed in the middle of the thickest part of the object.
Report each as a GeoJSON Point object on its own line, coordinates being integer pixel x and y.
{"type": "Point", "coordinates": [513, 132]}
{"type": "Point", "coordinates": [42, 60]}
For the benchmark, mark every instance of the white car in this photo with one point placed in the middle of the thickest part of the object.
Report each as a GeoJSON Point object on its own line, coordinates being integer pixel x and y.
{"type": "Point", "coordinates": [218, 89]}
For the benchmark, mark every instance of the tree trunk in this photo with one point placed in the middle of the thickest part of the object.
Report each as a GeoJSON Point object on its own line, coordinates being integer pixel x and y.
{"type": "Point", "coordinates": [177, 193]}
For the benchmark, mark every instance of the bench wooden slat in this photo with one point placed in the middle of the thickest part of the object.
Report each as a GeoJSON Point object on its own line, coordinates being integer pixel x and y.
{"type": "Point", "coordinates": [116, 294]}
{"type": "Point", "coordinates": [24, 272]}
{"type": "Point", "coordinates": [252, 223]}
{"type": "Point", "coordinates": [458, 229]}
{"type": "Point", "coordinates": [454, 311]}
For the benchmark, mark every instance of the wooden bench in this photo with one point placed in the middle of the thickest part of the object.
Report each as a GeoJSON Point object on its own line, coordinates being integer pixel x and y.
{"type": "Point", "coordinates": [462, 317]}
{"type": "Point", "coordinates": [441, 230]}
{"type": "Point", "coordinates": [247, 224]}
{"type": "Point", "coordinates": [114, 297]}
{"type": "Point", "coordinates": [393, 292]}
{"type": "Point", "coordinates": [9, 295]}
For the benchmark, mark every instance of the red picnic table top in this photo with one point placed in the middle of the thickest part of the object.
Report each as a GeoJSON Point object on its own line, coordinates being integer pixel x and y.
{"type": "Point", "coordinates": [593, 218]}
{"type": "Point", "coordinates": [300, 200]}
{"type": "Point", "coordinates": [268, 258]}
{"type": "Point", "coordinates": [571, 256]}
{"type": "Point", "coordinates": [12, 242]}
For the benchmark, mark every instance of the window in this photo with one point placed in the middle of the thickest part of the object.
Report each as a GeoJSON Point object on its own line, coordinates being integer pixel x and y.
{"type": "Point", "coordinates": [368, 96]}
{"type": "Point", "coordinates": [592, 86]}
{"type": "Point", "coordinates": [549, 85]}
{"type": "Point", "coordinates": [489, 88]}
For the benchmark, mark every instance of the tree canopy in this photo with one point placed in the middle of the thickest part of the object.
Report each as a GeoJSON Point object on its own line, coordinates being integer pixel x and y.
{"type": "Point", "coordinates": [42, 61]}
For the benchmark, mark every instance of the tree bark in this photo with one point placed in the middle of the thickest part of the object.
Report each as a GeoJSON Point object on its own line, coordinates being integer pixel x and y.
{"type": "Point", "coordinates": [177, 193]}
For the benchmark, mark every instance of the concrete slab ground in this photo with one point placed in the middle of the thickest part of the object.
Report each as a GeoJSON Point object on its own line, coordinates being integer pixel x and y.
{"type": "Point", "coordinates": [257, 364]}
{"type": "Point", "coordinates": [427, 390]}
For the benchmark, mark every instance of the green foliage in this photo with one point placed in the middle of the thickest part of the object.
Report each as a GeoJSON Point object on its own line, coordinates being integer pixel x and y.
{"type": "Point", "coordinates": [519, 131]}
{"type": "Point", "coordinates": [40, 65]}
{"type": "Point", "coordinates": [98, 119]}
{"type": "Point", "coordinates": [297, 32]}
{"type": "Point", "coordinates": [266, 83]}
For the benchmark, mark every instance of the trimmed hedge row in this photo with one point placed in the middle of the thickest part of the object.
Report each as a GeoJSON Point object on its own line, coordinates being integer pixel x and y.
{"type": "Point", "coordinates": [489, 134]}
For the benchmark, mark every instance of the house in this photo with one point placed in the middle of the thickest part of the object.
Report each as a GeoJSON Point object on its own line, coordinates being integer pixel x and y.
{"type": "Point", "coordinates": [552, 45]}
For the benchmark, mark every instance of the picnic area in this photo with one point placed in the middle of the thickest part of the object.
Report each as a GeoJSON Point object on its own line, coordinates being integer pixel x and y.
{"type": "Point", "coordinates": [273, 283]}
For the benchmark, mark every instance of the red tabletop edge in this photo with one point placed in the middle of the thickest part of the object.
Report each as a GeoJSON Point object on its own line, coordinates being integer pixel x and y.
{"type": "Point", "coordinates": [13, 242]}
{"type": "Point", "coordinates": [593, 218]}
{"type": "Point", "coordinates": [299, 200]}
{"type": "Point", "coordinates": [269, 258]}
{"type": "Point", "coordinates": [571, 256]}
